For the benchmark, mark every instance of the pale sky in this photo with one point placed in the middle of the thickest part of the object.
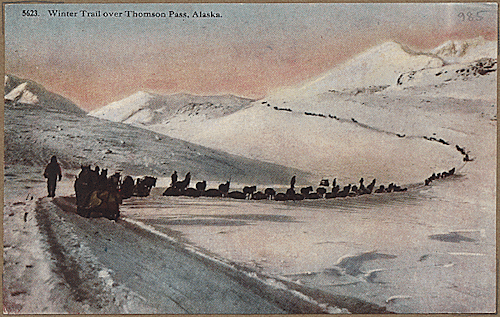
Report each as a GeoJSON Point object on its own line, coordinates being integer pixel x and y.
{"type": "Point", "coordinates": [249, 51]}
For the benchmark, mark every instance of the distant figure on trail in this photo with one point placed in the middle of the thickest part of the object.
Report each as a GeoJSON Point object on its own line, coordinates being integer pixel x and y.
{"type": "Point", "coordinates": [324, 182]}
{"type": "Point", "coordinates": [51, 173]}
{"type": "Point", "coordinates": [467, 158]}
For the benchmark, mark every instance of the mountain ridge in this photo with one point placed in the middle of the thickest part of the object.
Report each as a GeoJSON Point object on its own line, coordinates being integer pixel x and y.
{"type": "Point", "coordinates": [326, 126]}
{"type": "Point", "coordinates": [380, 128]}
{"type": "Point", "coordinates": [378, 66]}
{"type": "Point", "coordinates": [150, 108]}
{"type": "Point", "coordinates": [19, 92]}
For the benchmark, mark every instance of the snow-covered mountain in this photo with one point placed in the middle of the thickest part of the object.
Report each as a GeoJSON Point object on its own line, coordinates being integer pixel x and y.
{"type": "Point", "coordinates": [26, 93]}
{"type": "Point", "coordinates": [379, 66]}
{"type": "Point", "coordinates": [39, 124]}
{"type": "Point", "coordinates": [148, 108]}
{"type": "Point", "coordinates": [391, 113]}
{"type": "Point", "coordinates": [382, 65]}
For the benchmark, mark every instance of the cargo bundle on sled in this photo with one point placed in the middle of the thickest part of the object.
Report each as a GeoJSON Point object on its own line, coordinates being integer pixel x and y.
{"type": "Point", "coordinates": [101, 203]}
{"type": "Point", "coordinates": [100, 196]}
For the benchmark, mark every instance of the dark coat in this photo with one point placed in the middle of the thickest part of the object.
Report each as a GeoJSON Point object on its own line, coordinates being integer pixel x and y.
{"type": "Point", "coordinates": [53, 169]}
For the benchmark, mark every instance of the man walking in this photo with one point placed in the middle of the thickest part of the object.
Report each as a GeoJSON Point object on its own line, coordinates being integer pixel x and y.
{"type": "Point", "coordinates": [52, 172]}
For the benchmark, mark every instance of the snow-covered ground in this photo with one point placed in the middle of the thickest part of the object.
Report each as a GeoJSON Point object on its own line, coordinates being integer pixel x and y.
{"type": "Point", "coordinates": [28, 278]}
{"type": "Point", "coordinates": [58, 262]}
{"type": "Point", "coordinates": [428, 250]}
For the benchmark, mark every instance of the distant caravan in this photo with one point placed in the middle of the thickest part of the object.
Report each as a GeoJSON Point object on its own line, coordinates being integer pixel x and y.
{"type": "Point", "coordinates": [251, 193]}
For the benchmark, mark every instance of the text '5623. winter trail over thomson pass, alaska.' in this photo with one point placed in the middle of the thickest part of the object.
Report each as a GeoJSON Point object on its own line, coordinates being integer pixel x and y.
{"type": "Point", "coordinates": [55, 13]}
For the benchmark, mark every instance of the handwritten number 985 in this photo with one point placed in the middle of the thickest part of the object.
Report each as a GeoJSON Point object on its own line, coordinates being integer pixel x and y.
{"type": "Point", "coordinates": [470, 16]}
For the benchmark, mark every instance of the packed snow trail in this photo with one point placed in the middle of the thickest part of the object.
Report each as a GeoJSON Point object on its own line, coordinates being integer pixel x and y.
{"type": "Point", "coordinates": [166, 279]}
{"type": "Point", "coordinates": [117, 267]}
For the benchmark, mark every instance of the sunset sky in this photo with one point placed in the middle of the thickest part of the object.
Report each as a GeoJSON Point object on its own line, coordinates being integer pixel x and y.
{"type": "Point", "coordinates": [249, 51]}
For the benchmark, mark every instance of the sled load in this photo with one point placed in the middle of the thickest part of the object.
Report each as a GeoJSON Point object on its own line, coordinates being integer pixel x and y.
{"type": "Point", "coordinates": [98, 195]}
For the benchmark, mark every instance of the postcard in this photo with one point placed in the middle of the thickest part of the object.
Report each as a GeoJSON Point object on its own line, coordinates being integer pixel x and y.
{"type": "Point", "coordinates": [250, 158]}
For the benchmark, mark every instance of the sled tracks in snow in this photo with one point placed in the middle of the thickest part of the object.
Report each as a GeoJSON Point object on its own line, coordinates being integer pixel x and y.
{"type": "Point", "coordinates": [107, 264]}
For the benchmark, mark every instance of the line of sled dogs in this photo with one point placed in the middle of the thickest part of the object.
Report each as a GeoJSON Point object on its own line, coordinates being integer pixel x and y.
{"type": "Point", "coordinates": [435, 176]}
{"type": "Point", "coordinates": [181, 188]}
{"type": "Point", "coordinates": [98, 195]}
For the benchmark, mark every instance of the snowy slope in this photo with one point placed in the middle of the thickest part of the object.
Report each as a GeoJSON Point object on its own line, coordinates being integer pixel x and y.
{"type": "Point", "coordinates": [123, 109]}
{"type": "Point", "coordinates": [464, 80]}
{"type": "Point", "coordinates": [378, 66]}
{"type": "Point", "coordinates": [26, 93]}
{"type": "Point", "coordinates": [382, 65]}
{"type": "Point", "coordinates": [466, 51]}
{"type": "Point", "coordinates": [144, 108]}
{"type": "Point", "coordinates": [32, 136]}
{"type": "Point", "coordinates": [372, 116]}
